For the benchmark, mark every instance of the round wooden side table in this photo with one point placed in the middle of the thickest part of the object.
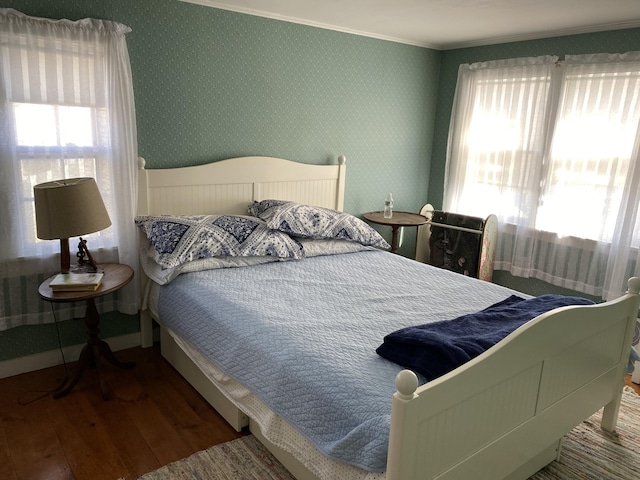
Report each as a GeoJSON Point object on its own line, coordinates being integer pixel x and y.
{"type": "Point", "coordinates": [399, 219]}
{"type": "Point", "coordinates": [116, 276]}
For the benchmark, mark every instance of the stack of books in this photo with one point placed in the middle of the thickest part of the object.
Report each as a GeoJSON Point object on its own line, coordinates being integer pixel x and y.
{"type": "Point", "coordinates": [76, 282]}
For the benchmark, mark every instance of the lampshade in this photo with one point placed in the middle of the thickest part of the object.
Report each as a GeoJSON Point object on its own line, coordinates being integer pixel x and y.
{"type": "Point", "coordinates": [69, 208]}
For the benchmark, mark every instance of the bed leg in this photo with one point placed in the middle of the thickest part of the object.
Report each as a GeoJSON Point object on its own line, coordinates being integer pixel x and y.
{"type": "Point", "coordinates": [610, 414]}
{"type": "Point", "coordinates": [559, 449]}
{"type": "Point", "coordinates": [146, 329]}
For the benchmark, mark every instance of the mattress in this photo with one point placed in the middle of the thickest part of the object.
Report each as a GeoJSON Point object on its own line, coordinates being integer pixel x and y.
{"type": "Point", "coordinates": [301, 336]}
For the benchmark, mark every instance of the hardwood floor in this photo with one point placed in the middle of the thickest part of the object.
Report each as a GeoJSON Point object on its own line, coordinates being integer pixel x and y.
{"type": "Point", "coordinates": [153, 417]}
{"type": "Point", "coordinates": [635, 386]}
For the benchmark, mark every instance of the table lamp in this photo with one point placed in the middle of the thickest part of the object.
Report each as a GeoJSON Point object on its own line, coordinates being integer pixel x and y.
{"type": "Point", "coordinates": [70, 208]}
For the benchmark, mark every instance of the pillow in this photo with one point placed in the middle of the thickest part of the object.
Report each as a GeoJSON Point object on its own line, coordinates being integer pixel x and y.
{"type": "Point", "coordinates": [308, 221]}
{"type": "Point", "coordinates": [181, 239]}
{"type": "Point", "coordinates": [330, 246]}
{"type": "Point", "coordinates": [163, 276]}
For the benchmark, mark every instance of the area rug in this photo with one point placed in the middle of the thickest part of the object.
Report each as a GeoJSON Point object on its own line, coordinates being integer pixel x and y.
{"type": "Point", "coordinates": [588, 453]}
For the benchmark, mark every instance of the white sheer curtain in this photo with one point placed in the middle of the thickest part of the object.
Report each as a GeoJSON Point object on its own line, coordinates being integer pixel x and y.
{"type": "Point", "coordinates": [553, 152]}
{"type": "Point", "coordinates": [66, 110]}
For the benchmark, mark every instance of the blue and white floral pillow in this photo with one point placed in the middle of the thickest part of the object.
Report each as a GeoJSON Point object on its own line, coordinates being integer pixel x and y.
{"type": "Point", "coordinates": [181, 239]}
{"type": "Point", "coordinates": [309, 221]}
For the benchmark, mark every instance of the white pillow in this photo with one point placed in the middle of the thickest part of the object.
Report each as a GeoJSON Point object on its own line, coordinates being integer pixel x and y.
{"type": "Point", "coordinates": [163, 276]}
{"type": "Point", "coordinates": [329, 246]}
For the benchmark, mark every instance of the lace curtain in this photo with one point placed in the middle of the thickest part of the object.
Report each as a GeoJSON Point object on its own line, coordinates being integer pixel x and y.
{"type": "Point", "coordinates": [553, 151]}
{"type": "Point", "coordinates": [66, 110]}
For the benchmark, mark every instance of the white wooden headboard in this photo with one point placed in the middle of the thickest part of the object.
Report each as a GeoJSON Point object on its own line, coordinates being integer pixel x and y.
{"type": "Point", "coordinates": [229, 186]}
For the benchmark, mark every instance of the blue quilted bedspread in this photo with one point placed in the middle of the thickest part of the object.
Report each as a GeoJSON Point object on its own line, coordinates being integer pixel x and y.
{"type": "Point", "coordinates": [302, 335]}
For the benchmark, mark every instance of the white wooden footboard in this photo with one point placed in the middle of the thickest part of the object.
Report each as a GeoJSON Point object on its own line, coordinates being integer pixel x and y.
{"type": "Point", "coordinates": [506, 410]}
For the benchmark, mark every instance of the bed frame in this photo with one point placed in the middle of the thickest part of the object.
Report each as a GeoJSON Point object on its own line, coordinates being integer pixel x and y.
{"type": "Point", "coordinates": [501, 415]}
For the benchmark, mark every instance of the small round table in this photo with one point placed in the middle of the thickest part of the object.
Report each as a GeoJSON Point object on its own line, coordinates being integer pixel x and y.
{"type": "Point", "coordinates": [116, 276]}
{"type": "Point", "coordinates": [399, 219]}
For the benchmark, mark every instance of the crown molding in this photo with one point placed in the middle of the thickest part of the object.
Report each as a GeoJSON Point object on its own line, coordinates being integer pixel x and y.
{"type": "Point", "coordinates": [301, 21]}
{"type": "Point", "coordinates": [540, 35]}
{"type": "Point", "coordinates": [434, 46]}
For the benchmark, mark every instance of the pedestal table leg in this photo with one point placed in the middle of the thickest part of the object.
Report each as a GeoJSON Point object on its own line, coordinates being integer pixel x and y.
{"type": "Point", "coordinates": [91, 353]}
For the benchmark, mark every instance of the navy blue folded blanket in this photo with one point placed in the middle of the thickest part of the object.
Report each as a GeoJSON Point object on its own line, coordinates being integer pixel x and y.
{"type": "Point", "coordinates": [437, 348]}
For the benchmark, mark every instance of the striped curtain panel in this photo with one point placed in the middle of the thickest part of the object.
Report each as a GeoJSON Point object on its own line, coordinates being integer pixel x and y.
{"type": "Point", "coordinates": [66, 110]}
{"type": "Point", "coordinates": [553, 150]}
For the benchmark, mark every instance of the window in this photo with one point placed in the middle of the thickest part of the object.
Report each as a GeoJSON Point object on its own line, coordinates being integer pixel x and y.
{"type": "Point", "coordinates": [591, 153]}
{"type": "Point", "coordinates": [552, 150]}
{"type": "Point", "coordinates": [504, 138]}
{"type": "Point", "coordinates": [66, 110]}
{"type": "Point", "coordinates": [55, 142]}
{"type": "Point", "coordinates": [56, 112]}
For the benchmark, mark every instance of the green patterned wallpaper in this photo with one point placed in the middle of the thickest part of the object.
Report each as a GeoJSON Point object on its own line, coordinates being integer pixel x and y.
{"type": "Point", "coordinates": [31, 339]}
{"type": "Point", "coordinates": [211, 84]}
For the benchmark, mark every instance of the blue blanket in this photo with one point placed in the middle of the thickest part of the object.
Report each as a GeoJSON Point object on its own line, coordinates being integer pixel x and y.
{"type": "Point", "coordinates": [439, 347]}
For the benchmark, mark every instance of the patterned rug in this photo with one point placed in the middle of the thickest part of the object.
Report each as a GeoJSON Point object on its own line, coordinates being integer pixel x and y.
{"type": "Point", "coordinates": [588, 453]}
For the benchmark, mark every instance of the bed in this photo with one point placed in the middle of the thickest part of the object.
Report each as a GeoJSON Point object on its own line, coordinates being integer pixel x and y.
{"type": "Point", "coordinates": [500, 415]}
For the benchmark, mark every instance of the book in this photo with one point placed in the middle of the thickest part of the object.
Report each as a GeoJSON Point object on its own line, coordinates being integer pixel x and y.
{"type": "Point", "coordinates": [76, 282]}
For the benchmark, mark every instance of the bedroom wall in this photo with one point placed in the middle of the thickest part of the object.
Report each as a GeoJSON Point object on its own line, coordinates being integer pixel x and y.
{"type": "Point", "coordinates": [211, 84]}
{"type": "Point", "coordinates": [617, 41]}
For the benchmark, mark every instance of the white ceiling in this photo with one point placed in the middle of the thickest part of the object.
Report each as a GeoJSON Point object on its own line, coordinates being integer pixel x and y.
{"type": "Point", "coordinates": [446, 24]}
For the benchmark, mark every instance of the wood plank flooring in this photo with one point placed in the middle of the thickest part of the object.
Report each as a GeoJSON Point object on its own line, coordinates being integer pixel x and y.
{"type": "Point", "coordinates": [635, 386]}
{"type": "Point", "coordinates": [153, 417]}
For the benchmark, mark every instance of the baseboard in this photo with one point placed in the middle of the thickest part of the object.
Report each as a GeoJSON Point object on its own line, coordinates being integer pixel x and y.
{"type": "Point", "coordinates": [38, 361]}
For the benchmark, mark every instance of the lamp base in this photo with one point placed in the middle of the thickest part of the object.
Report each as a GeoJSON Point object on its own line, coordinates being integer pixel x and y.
{"type": "Point", "coordinates": [86, 263]}
{"type": "Point", "coordinates": [65, 258]}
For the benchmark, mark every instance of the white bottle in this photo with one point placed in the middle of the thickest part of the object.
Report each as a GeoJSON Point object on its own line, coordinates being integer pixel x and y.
{"type": "Point", "coordinates": [388, 206]}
